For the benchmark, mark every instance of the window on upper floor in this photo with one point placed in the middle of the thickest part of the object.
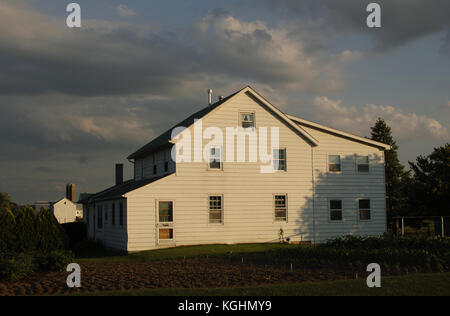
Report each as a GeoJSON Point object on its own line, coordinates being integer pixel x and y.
{"type": "Point", "coordinates": [336, 210]}
{"type": "Point", "coordinates": [334, 163]}
{"type": "Point", "coordinates": [364, 210]}
{"type": "Point", "coordinates": [279, 160]}
{"type": "Point", "coordinates": [166, 161]}
{"type": "Point", "coordinates": [215, 158]}
{"type": "Point", "coordinates": [280, 208]}
{"type": "Point", "coordinates": [247, 120]}
{"type": "Point", "coordinates": [362, 164]}
{"type": "Point", "coordinates": [216, 209]}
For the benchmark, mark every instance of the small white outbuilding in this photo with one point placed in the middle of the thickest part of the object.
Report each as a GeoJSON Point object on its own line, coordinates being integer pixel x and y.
{"type": "Point", "coordinates": [67, 211]}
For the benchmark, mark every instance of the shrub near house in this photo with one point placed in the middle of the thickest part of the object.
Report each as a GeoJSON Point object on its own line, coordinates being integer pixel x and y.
{"type": "Point", "coordinates": [30, 242]}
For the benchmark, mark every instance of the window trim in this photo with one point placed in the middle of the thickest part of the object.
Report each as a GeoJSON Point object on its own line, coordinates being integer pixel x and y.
{"type": "Point", "coordinates": [221, 158]}
{"type": "Point", "coordinates": [243, 112]}
{"type": "Point", "coordinates": [222, 211]}
{"type": "Point", "coordinates": [329, 210]}
{"type": "Point", "coordinates": [358, 210]}
{"type": "Point", "coordinates": [356, 165]}
{"type": "Point", "coordinates": [328, 163]}
{"type": "Point", "coordinates": [285, 159]}
{"type": "Point", "coordinates": [274, 208]}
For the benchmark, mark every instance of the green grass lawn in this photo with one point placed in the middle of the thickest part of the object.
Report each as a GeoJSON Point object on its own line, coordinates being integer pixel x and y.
{"type": "Point", "coordinates": [437, 284]}
{"type": "Point", "coordinates": [104, 256]}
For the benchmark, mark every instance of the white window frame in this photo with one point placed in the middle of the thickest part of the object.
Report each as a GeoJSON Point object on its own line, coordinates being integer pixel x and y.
{"type": "Point", "coordinates": [275, 220]}
{"type": "Point", "coordinates": [364, 209]}
{"type": "Point", "coordinates": [285, 159]}
{"type": "Point", "coordinates": [368, 164]}
{"type": "Point", "coordinates": [328, 163]}
{"type": "Point", "coordinates": [222, 210]}
{"type": "Point", "coordinates": [209, 158]}
{"type": "Point", "coordinates": [330, 210]}
{"type": "Point", "coordinates": [241, 121]}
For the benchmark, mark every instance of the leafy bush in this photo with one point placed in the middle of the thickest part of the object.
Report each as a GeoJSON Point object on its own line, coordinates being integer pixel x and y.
{"type": "Point", "coordinates": [56, 260]}
{"type": "Point", "coordinates": [15, 267]}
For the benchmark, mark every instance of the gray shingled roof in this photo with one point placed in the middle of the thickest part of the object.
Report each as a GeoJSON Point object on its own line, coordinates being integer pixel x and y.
{"type": "Point", "coordinates": [117, 191]}
{"type": "Point", "coordinates": [163, 140]}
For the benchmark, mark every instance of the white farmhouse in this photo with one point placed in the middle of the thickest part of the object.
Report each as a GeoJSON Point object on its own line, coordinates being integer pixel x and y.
{"type": "Point", "coordinates": [66, 211]}
{"type": "Point", "coordinates": [319, 184]}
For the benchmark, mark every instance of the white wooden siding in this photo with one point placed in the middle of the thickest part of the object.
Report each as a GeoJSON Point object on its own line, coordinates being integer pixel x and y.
{"type": "Point", "coordinates": [248, 205]}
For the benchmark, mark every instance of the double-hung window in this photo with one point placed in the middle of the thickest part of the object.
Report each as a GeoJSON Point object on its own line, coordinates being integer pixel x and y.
{"type": "Point", "coordinates": [215, 158]}
{"type": "Point", "coordinates": [113, 214]}
{"type": "Point", "coordinates": [334, 163]}
{"type": "Point", "coordinates": [99, 217]}
{"type": "Point", "coordinates": [364, 210]}
{"type": "Point", "coordinates": [279, 159]}
{"type": "Point", "coordinates": [280, 208]}
{"type": "Point", "coordinates": [121, 214]}
{"type": "Point", "coordinates": [362, 164]}
{"type": "Point", "coordinates": [166, 161]}
{"type": "Point", "coordinates": [336, 210]}
{"type": "Point", "coordinates": [247, 120]}
{"type": "Point", "coordinates": [216, 209]}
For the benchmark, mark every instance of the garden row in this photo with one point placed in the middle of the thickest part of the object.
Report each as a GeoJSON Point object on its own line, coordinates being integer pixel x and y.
{"type": "Point", "coordinates": [411, 254]}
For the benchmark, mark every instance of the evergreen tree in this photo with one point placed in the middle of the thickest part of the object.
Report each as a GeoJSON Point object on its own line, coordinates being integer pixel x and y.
{"type": "Point", "coordinates": [51, 235]}
{"type": "Point", "coordinates": [26, 230]}
{"type": "Point", "coordinates": [396, 177]}
{"type": "Point", "coordinates": [430, 185]}
{"type": "Point", "coordinates": [7, 231]}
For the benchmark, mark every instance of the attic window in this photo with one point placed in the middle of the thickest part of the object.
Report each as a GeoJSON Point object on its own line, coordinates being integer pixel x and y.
{"type": "Point", "coordinates": [247, 120]}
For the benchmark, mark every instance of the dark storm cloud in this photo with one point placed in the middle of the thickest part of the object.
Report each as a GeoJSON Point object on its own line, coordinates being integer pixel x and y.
{"type": "Point", "coordinates": [403, 20]}
{"type": "Point", "coordinates": [39, 54]}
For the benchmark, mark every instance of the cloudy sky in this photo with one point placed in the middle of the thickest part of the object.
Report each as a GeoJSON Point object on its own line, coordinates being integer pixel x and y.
{"type": "Point", "coordinates": [73, 102]}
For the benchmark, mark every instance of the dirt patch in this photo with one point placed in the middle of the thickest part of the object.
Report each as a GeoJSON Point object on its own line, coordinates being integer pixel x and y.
{"type": "Point", "coordinates": [193, 273]}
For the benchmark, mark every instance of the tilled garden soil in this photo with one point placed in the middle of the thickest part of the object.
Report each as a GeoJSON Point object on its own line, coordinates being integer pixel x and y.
{"type": "Point", "coordinates": [192, 273]}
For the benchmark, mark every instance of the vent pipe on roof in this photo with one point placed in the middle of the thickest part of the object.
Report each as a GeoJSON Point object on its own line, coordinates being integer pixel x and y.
{"type": "Point", "coordinates": [119, 174]}
{"type": "Point", "coordinates": [210, 97]}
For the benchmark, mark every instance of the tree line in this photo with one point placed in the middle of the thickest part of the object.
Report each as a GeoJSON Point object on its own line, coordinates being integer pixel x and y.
{"type": "Point", "coordinates": [423, 190]}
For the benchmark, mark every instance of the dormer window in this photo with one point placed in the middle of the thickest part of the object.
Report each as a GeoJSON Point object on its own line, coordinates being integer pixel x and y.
{"type": "Point", "coordinates": [247, 120]}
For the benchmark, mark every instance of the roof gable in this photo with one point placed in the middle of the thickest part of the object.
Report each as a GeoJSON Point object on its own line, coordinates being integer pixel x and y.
{"type": "Point", "coordinates": [164, 140]}
{"type": "Point", "coordinates": [339, 133]}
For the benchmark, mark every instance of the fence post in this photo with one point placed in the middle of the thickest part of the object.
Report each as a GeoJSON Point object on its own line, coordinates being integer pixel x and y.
{"type": "Point", "coordinates": [443, 227]}
{"type": "Point", "coordinates": [403, 227]}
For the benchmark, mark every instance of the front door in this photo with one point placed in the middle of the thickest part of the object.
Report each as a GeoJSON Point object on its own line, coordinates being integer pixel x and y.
{"type": "Point", "coordinates": [165, 222]}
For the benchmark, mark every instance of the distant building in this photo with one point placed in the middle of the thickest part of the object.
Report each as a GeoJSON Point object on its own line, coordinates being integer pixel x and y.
{"type": "Point", "coordinates": [66, 210]}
